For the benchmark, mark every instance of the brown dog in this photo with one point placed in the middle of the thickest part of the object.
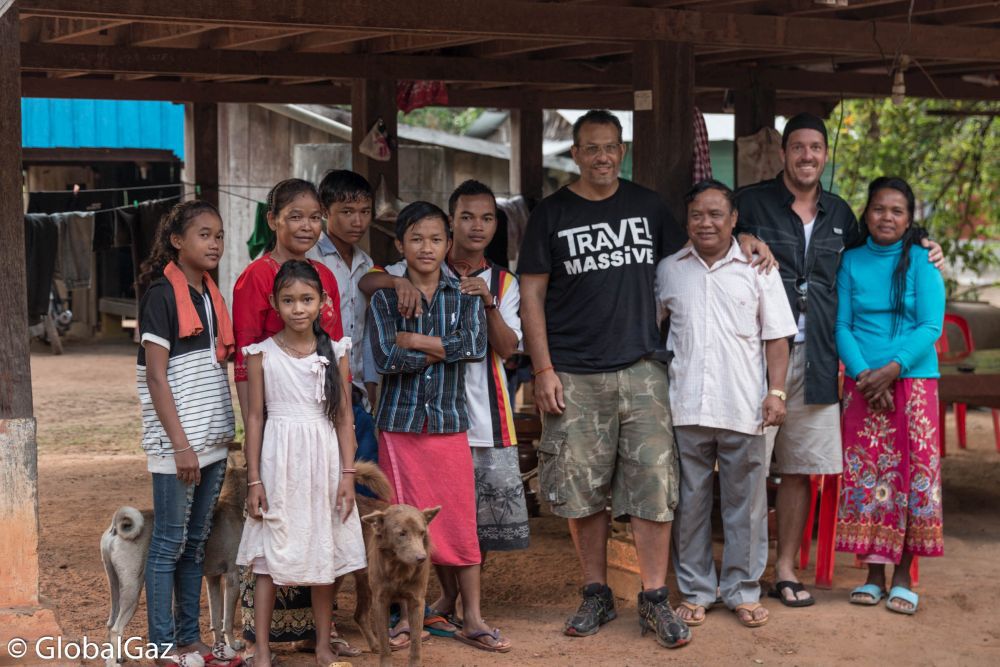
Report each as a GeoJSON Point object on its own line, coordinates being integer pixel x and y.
{"type": "Point", "coordinates": [398, 570]}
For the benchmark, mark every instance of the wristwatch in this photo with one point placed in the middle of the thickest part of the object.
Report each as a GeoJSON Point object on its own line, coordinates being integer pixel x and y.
{"type": "Point", "coordinates": [780, 394]}
{"type": "Point", "coordinates": [492, 305]}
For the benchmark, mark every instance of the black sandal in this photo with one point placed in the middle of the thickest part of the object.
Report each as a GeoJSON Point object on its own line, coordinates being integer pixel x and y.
{"type": "Point", "coordinates": [778, 592]}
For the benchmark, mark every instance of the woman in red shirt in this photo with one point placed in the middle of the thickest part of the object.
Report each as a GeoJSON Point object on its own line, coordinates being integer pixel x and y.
{"type": "Point", "coordinates": [296, 216]}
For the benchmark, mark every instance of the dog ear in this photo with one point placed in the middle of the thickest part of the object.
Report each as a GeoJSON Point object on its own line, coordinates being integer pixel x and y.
{"type": "Point", "coordinates": [375, 519]}
{"type": "Point", "coordinates": [431, 513]}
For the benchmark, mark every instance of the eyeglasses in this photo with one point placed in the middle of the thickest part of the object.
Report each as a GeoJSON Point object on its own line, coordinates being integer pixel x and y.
{"type": "Point", "coordinates": [802, 289]}
{"type": "Point", "coordinates": [593, 150]}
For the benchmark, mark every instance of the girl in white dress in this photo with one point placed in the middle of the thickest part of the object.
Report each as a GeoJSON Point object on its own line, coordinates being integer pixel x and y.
{"type": "Point", "coordinates": [303, 528]}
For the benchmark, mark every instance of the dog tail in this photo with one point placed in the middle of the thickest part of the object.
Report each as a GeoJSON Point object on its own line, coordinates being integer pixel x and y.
{"type": "Point", "coordinates": [369, 475]}
{"type": "Point", "coordinates": [127, 523]}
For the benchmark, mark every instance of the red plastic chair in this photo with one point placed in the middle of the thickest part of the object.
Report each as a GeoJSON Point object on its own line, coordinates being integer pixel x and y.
{"type": "Point", "coordinates": [826, 539]}
{"type": "Point", "coordinates": [946, 355]}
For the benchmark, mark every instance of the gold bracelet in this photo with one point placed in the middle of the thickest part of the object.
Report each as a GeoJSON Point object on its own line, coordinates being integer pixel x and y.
{"type": "Point", "coordinates": [780, 394]}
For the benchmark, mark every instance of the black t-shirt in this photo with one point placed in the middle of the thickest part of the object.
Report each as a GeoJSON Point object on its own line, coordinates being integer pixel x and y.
{"type": "Point", "coordinates": [601, 256]}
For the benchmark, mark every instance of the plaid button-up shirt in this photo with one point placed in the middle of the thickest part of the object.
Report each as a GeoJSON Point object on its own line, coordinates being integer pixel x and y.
{"type": "Point", "coordinates": [416, 396]}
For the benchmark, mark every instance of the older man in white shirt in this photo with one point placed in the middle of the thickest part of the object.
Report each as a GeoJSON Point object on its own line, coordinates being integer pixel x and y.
{"type": "Point", "coordinates": [729, 329]}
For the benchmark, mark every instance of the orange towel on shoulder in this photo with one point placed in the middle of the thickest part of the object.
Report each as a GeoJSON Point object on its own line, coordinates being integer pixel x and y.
{"type": "Point", "coordinates": [188, 322]}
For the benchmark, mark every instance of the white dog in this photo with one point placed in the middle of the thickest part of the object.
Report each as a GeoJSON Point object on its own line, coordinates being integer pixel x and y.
{"type": "Point", "coordinates": [125, 545]}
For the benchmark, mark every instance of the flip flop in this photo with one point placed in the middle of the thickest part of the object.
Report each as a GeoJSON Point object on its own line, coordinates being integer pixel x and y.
{"type": "Point", "coordinates": [693, 622]}
{"type": "Point", "coordinates": [424, 636]}
{"type": "Point", "coordinates": [432, 618]}
{"type": "Point", "coordinates": [475, 637]}
{"type": "Point", "coordinates": [750, 607]}
{"type": "Point", "coordinates": [343, 649]}
{"type": "Point", "coordinates": [874, 593]}
{"type": "Point", "coordinates": [906, 595]}
{"type": "Point", "coordinates": [778, 592]}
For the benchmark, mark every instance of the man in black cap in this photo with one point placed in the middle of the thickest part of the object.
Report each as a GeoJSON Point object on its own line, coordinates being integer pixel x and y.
{"type": "Point", "coordinates": [806, 229]}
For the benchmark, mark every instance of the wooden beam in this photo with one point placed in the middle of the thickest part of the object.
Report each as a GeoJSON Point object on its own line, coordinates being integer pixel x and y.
{"type": "Point", "coordinates": [156, 34]}
{"type": "Point", "coordinates": [522, 20]}
{"type": "Point", "coordinates": [662, 140]}
{"type": "Point", "coordinates": [526, 172]}
{"type": "Point", "coordinates": [88, 155]}
{"type": "Point", "coordinates": [370, 101]}
{"type": "Point", "coordinates": [206, 150]}
{"type": "Point", "coordinates": [68, 30]}
{"type": "Point", "coordinates": [55, 57]}
{"type": "Point", "coordinates": [845, 83]}
{"type": "Point", "coordinates": [178, 91]}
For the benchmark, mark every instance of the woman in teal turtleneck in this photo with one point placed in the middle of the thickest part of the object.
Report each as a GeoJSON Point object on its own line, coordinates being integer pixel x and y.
{"type": "Point", "coordinates": [890, 313]}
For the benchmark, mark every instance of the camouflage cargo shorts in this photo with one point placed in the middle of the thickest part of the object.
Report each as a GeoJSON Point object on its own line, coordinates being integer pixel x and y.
{"type": "Point", "coordinates": [615, 438]}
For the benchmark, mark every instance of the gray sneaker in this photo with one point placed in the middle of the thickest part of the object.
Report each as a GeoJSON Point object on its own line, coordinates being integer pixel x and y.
{"type": "Point", "coordinates": [657, 615]}
{"type": "Point", "coordinates": [597, 608]}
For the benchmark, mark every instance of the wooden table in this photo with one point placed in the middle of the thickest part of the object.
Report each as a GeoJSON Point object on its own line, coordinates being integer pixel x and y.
{"type": "Point", "coordinates": [974, 379]}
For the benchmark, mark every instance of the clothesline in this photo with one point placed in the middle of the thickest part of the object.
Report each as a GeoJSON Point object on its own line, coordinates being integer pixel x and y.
{"type": "Point", "coordinates": [150, 187]}
{"type": "Point", "coordinates": [117, 208]}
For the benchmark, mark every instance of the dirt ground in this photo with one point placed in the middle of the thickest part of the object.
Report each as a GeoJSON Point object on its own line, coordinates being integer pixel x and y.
{"type": "Point", "coordinates": [90, 464]}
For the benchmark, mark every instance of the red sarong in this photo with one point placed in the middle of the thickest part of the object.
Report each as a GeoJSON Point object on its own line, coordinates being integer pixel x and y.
{"type": "Point", "coordinates": [426, 470]}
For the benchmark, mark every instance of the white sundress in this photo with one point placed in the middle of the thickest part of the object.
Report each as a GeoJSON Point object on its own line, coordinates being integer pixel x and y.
{"type": "Point", "coordinates": [301, 540]}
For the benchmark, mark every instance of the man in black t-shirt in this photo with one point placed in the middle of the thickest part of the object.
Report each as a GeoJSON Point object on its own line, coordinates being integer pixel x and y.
{"type": "Point", "coordinates": [588, 272]}
{"type": "Point", "coordinates": [588, 267]}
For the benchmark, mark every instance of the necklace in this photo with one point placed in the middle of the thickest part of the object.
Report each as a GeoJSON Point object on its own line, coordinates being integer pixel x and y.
{"type": "Point", "coordinates": [291, 351]}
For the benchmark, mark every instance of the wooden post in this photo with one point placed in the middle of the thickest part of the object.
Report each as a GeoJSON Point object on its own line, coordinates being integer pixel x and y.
{"type": "Point", "coordinates": [371, 100]}
{"type": "Point", "coordinates": [663, 120]}
{"type": "Point", "coordinates": [526, 171]}
{"type": "Point", "coordinates": [755, 108]}
{"type": "Point", "coordinates": [20, 614]}
{"type": "Point", "coordinates": [206, 150]}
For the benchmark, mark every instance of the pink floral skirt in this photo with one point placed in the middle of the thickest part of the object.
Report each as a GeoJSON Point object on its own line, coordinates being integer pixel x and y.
{"type": "Point", "coordinates": [890, 497]}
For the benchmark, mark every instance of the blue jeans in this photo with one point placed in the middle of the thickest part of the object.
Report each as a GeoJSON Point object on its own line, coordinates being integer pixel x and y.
{"type": "Point", "coordinates": [364, 433]}
{"type": "Point", "coordinates": [182, 521]}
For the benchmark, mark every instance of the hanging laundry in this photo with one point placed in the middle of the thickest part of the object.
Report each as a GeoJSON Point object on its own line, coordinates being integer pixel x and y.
{"type": "Point", "coordinates": [517, 210]}
{"type": "Point", "coordinates": [412, 95]}
{"type": "Point", "coordinates": [125, 220]}
{"type": "Point", "coordinates": [76, 243]}
{"type": "Point", "coordinates": [702, 164]}
{"type": "Point", "coordinates": [758, 156]}
{"type": "Point", "coordinates": [261, 235]}
{"type": "Point", "coordinates": [41, 246]}
{"type": "Point", "coordinates": [376, 143]}
{"type": "Point", "coordinates": [144, 231]}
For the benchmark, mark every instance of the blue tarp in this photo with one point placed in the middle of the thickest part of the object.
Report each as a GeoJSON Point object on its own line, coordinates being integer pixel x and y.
{"type": "Point", "coordinates": [58, 123]}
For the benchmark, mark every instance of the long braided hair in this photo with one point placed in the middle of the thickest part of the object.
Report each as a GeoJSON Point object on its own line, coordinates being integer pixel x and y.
{"type": "Point", "coordinates": [175, 221]}
{"type": "Point", "coordinates": [291, 271]}
{"type": "Point", "coordinates": [913, 234]}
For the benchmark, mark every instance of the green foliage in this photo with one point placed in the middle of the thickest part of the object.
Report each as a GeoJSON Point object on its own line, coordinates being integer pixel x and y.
{"type": "Point", "coordinates": [952, 162]}
{"type": "Point", "coordinates": [446, 119]}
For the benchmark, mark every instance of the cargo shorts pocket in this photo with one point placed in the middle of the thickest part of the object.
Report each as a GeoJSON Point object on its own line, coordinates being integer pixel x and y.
{"type": "Point", "coordinates": [551, 476]}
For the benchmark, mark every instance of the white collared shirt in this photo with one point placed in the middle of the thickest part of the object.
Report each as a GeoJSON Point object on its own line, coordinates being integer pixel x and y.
{"type": "Point", "coordinates": [720, 317]}
{"type": "Point", "coordinates": [353, 304]}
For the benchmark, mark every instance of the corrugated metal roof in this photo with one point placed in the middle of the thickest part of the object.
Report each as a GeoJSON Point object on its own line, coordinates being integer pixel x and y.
{"type": "Point", "coordinates": [59, 123]}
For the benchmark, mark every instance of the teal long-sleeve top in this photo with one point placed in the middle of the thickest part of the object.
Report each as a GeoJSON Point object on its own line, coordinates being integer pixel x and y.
{"type": "Point", "coordinates": [864, 311]}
